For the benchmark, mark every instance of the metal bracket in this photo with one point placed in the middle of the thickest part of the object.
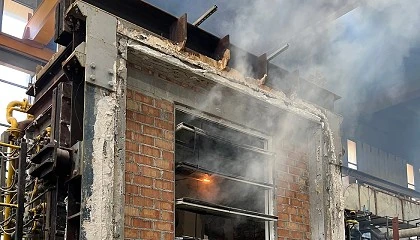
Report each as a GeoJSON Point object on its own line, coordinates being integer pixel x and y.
{"type": "Point", "coordinates": [100, 44]}
{"type": "Point", "coordinates": [76, 60]}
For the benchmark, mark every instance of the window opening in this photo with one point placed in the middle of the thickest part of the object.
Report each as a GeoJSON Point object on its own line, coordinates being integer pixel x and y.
{"type": "Point", "coordinates": [351, 154]}
{"type": "Point", "coordinates": [223, 182]}
{"type": "Point", "coordinates": [410, 177]}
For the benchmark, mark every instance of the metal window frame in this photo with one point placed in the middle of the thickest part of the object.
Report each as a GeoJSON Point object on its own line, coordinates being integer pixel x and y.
{"type": "Point", "coordinates": [271, 232]}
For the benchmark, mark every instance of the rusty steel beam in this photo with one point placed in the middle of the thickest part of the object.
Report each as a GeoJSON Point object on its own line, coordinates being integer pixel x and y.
{"type": "Point", "coordinates": [395, 229]}
{"type": "Point", "coordinates": [25, 48]}
{"type": "Point", "coordinates": [40, 28]}
{"type": "Point", "coordinates": [179, 31]}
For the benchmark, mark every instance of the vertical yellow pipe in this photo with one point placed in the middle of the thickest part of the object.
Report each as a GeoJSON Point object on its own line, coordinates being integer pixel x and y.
{"type": "Point", "coordinates": [7, 210]}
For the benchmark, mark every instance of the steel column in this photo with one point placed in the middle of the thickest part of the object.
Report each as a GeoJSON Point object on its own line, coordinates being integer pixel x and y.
{"type": "Point", "coordinates": [21, 191]}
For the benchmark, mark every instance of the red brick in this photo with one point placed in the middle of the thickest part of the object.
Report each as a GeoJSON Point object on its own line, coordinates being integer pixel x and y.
{"type": "Point", "coordinates": [128, 199]}
{"type": "Point", "coordinates": [163, 226]}
{"type": "Point", "coordinates": [131, 146]}
{"type": "Point", "coordinates": [133, 105]}
{"type": "Point", "coordinates": [168, 236]}
{"type": "Point", "coordinates": [169, 206]}
{"type": "Point", "coordinates": [290, 194]}
{"type": "Point", "coordinates": [128, 177]}
{"type": "Point", "coordinates": [167, 116]}
{"type": "Point", "coordinates": [131, 189]}
{"type": "Point", "coordinates": [164, 124]}
{"type": "Point", "coordinates": [152, 131]}
{"type": "Point", "coordinates": [149, 213]}
{"type": "Point", "coordinates": [143, 98]}
{"type": "Point", "coordinates": [294, 187]}
{"type": "Point", "coordinates": [169, 135]}
{"type": "Point", "coordinates": [142, 202]}
{"type": "Point", "coordinates": [283, 216]}
{"type": "Point", "coordinates": [165, 105]}
{"type": "Point", "coordinates": [140, 138]}
{"type": "Point", "coordinates": [131, 211]}
{"type": "Point", "coordinates": [142, 159]}
{"type": "Point", "coordinates": [150, 111]}
{"type": "Point", "coordinates": [164, 164]}
{"type": "Point", "coordinates": [143, 181]}
{"type": "Point", "coordinates": [295, 202]}
{"type": "Point", "coordinates": [168, 196]}
{"type": "Point", "coordinates": [296, 235]}
{"type": "Point", "coordinates": [140, 223]}
{"type": "Point", "coordinates": [151, 193]}
{"type": "Point", "coordinates": [149, 235]}
{"type": "Point", "coordinates": [296, 218]}
{"type": "Point", "coordinates": [283, 200]}
{"type": "Point", "coordinates": [164, 185]}
{"type": "Point", "coordinates": [293, 226]}
{"type": "Point", "coordinates": [168, 175]}
{"type": "Point", "coordinates": [281, 192]}
{"type": "Point", "coordinates": [128, 135]}
{"type": "Point", "coordinates": [131, 167]}
{"type": "Point", "coordinates": [150, 151]}
{"type": "Point", "coordinates": [164, 144]}
{"type": "Point", "coordinates": [150, 172]}
{"type": "Point", "coordinates": [133, 126]}
{"type": "Point", "coordinates": [143, 118]}
{"type": "Point", "coordinates": [129, 115]}
{"type": "Point", "coordinates": [127, 221]}
{"type": "Point", "coordinates": [168, 155]}
{"type": "Point", "coordinates": [130, 94]}
{"type": "Point", "coordinates": [167, 216]}
{"type": "Point", "coordinates": [130, 233]}
{"type": "Point", "coordinates": [302, 196]}
{"type": "Point", "coordinates": [283, 233]}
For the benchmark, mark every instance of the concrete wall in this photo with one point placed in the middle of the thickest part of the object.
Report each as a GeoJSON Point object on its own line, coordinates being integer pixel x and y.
{"type": "Point", "coordinates": [358, 197]}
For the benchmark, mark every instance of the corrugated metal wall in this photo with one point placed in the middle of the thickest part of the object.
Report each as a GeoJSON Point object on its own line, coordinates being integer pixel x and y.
{"type": "Point", "coordinates": [380, 164]}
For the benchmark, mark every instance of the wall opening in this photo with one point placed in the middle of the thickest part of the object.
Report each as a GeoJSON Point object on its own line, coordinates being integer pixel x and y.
{"type": "Point", "coordinates": [410, 177]}
{"type": "Point", "coordinates": [351, 154]}
{"type": "Point", "coordinates": [223, 182]}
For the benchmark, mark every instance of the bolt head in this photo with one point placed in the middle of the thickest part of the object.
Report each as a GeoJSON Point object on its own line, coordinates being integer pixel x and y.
{"type": "Point", "coordinates": [92, 77]}
{"type": "Point", "coordinates": [110, 83]}
{"type": "Point", "coordinates": [93, 65]}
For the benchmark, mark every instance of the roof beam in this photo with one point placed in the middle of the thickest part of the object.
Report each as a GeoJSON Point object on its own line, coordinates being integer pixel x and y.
{"type": "Point", "coordinates": [40, 27]}
{"type": "Point", "coordinates": [22, 54]}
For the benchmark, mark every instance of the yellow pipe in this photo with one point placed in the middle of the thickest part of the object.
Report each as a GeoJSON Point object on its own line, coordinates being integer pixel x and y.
{"type": "Point", "coordinates": [9, 145]}
{"type": "Point", "coordinates": [21, 106]}
{"type": "Point", "coordinates": [7, 210]}
{"type": "Point", "coordinates": [8, 205]}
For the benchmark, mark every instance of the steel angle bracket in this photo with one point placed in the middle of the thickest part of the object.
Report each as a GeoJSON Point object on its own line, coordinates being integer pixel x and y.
{"type": "Point", "coordinates": [100, 43]}
{"type": "Point", "coordinates": [76, 61]}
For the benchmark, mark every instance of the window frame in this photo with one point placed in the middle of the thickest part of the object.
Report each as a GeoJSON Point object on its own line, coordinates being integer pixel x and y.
{"type": "Point", "coordinates": [270, 226]}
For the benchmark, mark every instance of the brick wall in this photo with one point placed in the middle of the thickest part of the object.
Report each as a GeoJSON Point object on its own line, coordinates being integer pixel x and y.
{"type": "Point", "coordinates": [293, 195]}
{"type": "Point", "coordinates": [149, 179]}
{"type": "Point", "coordinates": [149, 174]}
